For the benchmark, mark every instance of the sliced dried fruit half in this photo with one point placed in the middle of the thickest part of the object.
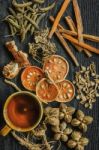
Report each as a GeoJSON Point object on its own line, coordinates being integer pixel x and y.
{"type": "Point", "coordinates": [56, 68]}
{"type": "Point", "coordinates": [46, 91]}
{"type": "Point", "coordinates": [31, 76]}
{"type": "Point", "coordinates": [66, 91]}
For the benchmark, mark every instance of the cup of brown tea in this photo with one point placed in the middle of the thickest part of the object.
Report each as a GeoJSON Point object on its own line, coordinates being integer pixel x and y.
{"type": "Point", "coordinates": [22, 112]}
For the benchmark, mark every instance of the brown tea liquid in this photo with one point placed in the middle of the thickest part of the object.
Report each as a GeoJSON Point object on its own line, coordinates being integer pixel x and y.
{"type": "Point", "coordinates": [23, 111]}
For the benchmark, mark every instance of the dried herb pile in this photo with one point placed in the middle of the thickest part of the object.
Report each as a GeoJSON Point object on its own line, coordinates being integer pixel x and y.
{"type": "Point", "coordinates": [25, 17]}
{"type": "Point", "coordinates": [42, 47]}
{"type": "Point", "coordinates": [87, 83]}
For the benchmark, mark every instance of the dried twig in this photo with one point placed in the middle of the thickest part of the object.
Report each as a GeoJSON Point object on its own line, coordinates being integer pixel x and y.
{"type": "Point", "coordinates": [58, 17]}
{"type": "Point", "coordinates": [12, 84]}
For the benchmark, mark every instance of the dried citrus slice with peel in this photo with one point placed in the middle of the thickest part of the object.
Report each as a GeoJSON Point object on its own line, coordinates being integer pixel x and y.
{"type": "Point", "coordinates": [56, 67]}
{"type": "Point", "coordinates": [46, 91]}
{"type": "Point", "coordinates": [66, 91]}
{"type": "Point", "coordinates": [31, 76]}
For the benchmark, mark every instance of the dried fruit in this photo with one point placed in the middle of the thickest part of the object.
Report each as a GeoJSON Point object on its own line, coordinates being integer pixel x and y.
{"type": "Point", "coordinates": [47, 94]}
{"type": "Point", "coordinates": [66, 91]}
{"type": "Point", "coordinates": [77, 141]}
{"type": "Point", "coordinates": [56, 67]}
{"type": "Point", "coordinates": [68, 112]}
{"type": "Point", "coordinates": [81, 121]}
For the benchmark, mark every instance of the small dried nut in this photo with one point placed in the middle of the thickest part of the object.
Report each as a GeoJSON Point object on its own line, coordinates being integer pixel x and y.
{"type": "Point", "coordinates": [83, 127]}
{"type": "Point", "coordinates": [84, 141]}
{"type": "Point", "coordinates": [76, 135]}
{"type": "Point", "coordinates": [57, 136]}
{"type": "Point", "coordinates": [71, 144]}
{"type": "Point", "coordinates": [80, 115]}
{"type": "Point", "coordinates": [61, 115]}
{"type": "Point", "coordinates": [63, 126]}
{"type": "Point", "coordinates": [87, 120]}
{"type": "Point", "coordinates": [55, 129]}
{"type": "Point", "coordinates": [47, 110]}
{"type": "Point", "coordinates": [68, 131]}
{"type": "Point", "coordinates": [75, 122]}
{"type": "Point", "coordinates": [64, 137]}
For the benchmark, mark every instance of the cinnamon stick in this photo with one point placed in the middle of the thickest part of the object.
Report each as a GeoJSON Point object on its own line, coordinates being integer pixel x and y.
{"type": "Point", "coordinates": [73, 33]}
{"type": "Point", "coordinates": [58, 17]}
{"type": "Point", "coordinates": [79, 24]}
{"type": "Point", "coordinates": [65, 45]}
{"type": "Point", "coordinates": [84, 45]}
{"type": "Point", "coordinates": [73, 28]}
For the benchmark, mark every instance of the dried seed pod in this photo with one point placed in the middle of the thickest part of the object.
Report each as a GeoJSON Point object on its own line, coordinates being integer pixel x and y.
{"type": "Point", "coordinates": [53, 121]}
{"type": "Point", "coordinates": [68, 131]}
{"type": "Point", "coordinates": [63, 126]}
{"type": "Point", "coordinates": [61, 115]}
{"type": "Point", "coordinates": [75, 122]}
{"type": "Point", "coordinates": [87, 120]}
{"type": "Point", "coordinates": [71, 144]}
{"type": "Point", "coordinates": [68, 118]}
{"type": "Point", "coordinates": [76, 135]}
{"type": "Point", "coordinates": [57, 136]}
{"type": "Point", "coordinates": [79, 147]}
{"type": "Point", "coordinates": [84, 141]}
{"type": "Point", "coordinates": [55, 129]}
{"type": "Point", "coordinates": [80, 115]}
{"type": "Point", "coordinates": [64, 138]}
{"type": "Point", "coordinates": [83, 127]}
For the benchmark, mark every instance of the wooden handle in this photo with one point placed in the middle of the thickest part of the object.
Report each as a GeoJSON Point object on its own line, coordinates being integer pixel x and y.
{"type": "Point", "coordinates": [5, 130]}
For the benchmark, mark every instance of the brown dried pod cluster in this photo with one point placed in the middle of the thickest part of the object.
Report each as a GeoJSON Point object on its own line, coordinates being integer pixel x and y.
{"type": "Point", "coordinates": [66, 112]}
{"type": "Point", "coordinates": [81, 121]}
{"type": "Point", "coordinates": [87, 83]}
{"type": "Point", "coordinates": [68, 125]}
{"type": "Point", "coordinates": [77, 141]}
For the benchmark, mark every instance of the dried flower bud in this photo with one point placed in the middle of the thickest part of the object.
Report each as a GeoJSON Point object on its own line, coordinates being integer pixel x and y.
{"type": "Point", "coordinates": [80, 115]}
{"type": "Point", "coordinates": [63, 126]}
{"type": "Point", "coordinates": [87, 120]}
{"type": "Point", "coordinates": [68, 131]}
{"type": "Point", "coordinates": [64, 138]}
{"type": "Point", "coordinates": [71, 144]}
{"type": "Point", "coordinates": [76, 135]}
{"type": "Point", "coordinates": [84, 141]}
{"type": "Point", "coordinates": [57, 136]}
{"type": "Point", "coordinates": [83, 127]}
{"type": "Point", "coordinates": [75, 122]}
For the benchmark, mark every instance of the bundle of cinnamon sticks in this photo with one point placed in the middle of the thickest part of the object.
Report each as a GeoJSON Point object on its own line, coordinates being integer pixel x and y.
{"type": "Point", "coordinates": [75, 35]}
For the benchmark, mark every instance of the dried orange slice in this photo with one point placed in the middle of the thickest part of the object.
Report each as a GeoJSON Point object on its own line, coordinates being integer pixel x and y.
{"type": "Point", "coordinates": [46, 91]}
{"type": "Point", "coordinates": [66, 91]}
{"type": "Point", "coordinates": [31, 76]}
{"type": "Point", "coordinates": [56, 67]}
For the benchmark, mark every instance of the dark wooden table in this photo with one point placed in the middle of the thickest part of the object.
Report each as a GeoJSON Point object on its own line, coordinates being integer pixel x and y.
{"type": "Point", "coordinates": [90, 15]}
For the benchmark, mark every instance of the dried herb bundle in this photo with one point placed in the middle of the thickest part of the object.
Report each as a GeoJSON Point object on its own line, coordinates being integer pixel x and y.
{"type": "Point", "coordinates": [87, 83]}
{"type": "Point", "coordinates": [25, 17]}
{"type": "Point", "coordinates": [42, 47]}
